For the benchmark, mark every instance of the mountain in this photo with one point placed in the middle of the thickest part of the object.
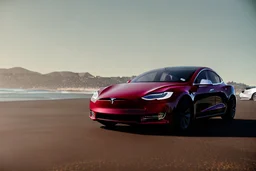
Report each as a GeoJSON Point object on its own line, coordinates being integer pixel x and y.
{"type": "Point", "coordinates": [18, 77]}
{"type": "Point", "coordinates": [22, 78]}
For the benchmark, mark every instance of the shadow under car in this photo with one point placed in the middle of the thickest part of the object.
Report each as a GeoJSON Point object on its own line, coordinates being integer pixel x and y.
{"type": "Point", "coordinates": [213, 127]}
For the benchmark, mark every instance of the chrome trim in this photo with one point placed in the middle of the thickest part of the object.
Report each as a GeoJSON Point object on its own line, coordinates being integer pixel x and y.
{"type": "Point", "coordinates": [112, 100]}
{"type": "Point", "coordinates": [206, 69]}
{"type": "Point", "coordinates": [109, 99]}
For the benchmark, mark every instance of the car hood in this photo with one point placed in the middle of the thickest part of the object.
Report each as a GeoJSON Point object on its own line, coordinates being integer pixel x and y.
{"type": "Point", "coordinates": [135, 90]}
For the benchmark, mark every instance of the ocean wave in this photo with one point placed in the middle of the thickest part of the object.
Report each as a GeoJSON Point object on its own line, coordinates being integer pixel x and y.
{"type": "Point", "coordinates": [12, 90]}
{"type": "Point", "coordinates": [21, 91]}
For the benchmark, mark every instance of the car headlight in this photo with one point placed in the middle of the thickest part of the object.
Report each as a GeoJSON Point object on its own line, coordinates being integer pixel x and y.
{"type": "Point", "coordinates": [95, 96]}
{"type": "Point", "coordinates": [158, 96]}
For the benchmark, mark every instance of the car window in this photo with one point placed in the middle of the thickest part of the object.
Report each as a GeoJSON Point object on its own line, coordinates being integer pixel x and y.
{"type": "Point", "coordinates": [213, 77]}
{"type": "Point", "coordinates": [201, 76]}
{"type": "Point", "coordinates": [163, 76]}
{"type": "Point", "coordinates": [148, 77]}
{"type": "Point", "coordinates": [166, 75]}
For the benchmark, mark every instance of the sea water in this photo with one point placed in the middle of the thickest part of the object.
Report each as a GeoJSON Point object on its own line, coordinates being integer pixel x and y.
{"type": "Point", "coordinates": [25, 95]}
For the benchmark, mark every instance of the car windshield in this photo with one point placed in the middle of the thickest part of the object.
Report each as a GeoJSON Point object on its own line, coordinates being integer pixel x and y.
{"type": "Point", "coordinates": [174, 74]}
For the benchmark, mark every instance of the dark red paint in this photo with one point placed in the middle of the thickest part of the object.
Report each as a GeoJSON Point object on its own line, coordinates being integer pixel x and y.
{"type": "Point", "coordinates": [129, 107]}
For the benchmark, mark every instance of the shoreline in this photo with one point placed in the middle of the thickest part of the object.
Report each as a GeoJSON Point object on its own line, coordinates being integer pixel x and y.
{"type": "Point", "coordinates": [14, 95]}
{"type": "Point", "coordinates": [69, 89]}
{"type": "Point", "coordinates": [44, 101]}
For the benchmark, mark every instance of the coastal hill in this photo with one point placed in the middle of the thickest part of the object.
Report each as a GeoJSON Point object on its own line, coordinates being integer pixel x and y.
{"type": "Point", "coordinates": [22, 78]}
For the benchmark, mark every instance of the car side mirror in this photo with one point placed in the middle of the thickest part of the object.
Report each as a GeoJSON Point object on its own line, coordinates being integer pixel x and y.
{"type": "Point", "coordinates": [205, 82]}
{"type": "Point", "coordinates": [128, 81]}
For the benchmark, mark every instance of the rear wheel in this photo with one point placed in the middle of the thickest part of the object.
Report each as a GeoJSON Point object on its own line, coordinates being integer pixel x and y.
{"type": "Point", "coordinates": [108, 124]}
{"type": "Point", "coordinates": [183, 116]}
{"type": "Point", "coordinates": [231, 110]}
{"type": "Point", "coordinates": [254, 97]}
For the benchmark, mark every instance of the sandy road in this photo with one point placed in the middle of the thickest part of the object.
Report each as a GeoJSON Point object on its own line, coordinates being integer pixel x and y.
{"type": "Point", "coordinates": [58, 135]}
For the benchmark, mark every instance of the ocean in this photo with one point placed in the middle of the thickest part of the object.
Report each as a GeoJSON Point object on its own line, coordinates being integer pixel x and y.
{"type": "Point", "coordinates": [25, 95]}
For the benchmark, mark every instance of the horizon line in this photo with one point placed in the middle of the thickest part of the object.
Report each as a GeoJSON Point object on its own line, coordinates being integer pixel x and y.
{"type": "Point", "coordinates": [18, 67]}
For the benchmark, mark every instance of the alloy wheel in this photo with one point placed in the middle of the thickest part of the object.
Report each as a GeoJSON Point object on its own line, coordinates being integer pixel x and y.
{"type": "Point", "coordinates": [231, 110]}
{"type": "Point", "coordinates": [254, 97]}
{"type": "Point", "coordinates": [185, 119]}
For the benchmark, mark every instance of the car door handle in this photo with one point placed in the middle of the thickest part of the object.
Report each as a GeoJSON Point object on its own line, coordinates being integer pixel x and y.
{"type": "Point", "coordinates": [211, 90]}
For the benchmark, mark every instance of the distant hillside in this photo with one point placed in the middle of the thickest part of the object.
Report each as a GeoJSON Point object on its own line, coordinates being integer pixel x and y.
{"type": "Point", "coordinates": [22, 78]}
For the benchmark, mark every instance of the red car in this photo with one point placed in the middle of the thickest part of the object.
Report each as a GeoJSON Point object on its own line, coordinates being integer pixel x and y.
{"type": "Point", "coordinates": [173, 96]}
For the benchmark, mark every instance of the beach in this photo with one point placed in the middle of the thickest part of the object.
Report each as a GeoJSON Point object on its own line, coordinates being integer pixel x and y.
{"type": "Point", "coordinates": [57, 135]}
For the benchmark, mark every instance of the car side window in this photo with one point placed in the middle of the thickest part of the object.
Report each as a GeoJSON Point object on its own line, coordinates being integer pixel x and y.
{"type": "Point", "coordinates": [213, 77]}
{"type": "Point", "coordinates": [201, 76]}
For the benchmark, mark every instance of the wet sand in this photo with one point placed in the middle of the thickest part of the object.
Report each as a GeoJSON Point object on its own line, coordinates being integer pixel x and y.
{"type": "Point", "coordinates": [58, 135]}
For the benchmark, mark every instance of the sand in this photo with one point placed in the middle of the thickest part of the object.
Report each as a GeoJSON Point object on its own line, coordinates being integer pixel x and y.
{"type": "Point", "coordinates": [58, 135]}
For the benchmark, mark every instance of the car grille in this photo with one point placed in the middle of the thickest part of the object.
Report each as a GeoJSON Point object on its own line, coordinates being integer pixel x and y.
{"type": "Point", "coordinates": [119, 103]}
{"type": "Point", "coordinates": [119, 117]}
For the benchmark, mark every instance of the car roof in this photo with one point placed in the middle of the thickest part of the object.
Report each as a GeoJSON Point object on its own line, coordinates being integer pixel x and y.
{"type": "Point", "coordinates": [186, 67]}
{"type": "Point", "coordinates": [180, 68]}
{"type": "Point", "coordinates": [250, 87]}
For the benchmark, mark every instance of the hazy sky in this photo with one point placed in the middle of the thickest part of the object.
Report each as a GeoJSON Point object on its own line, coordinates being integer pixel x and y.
{"type": "Point", "coordinates": [127, 37]}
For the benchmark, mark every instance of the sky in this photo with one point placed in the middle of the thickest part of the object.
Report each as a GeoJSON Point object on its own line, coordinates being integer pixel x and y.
{"type": "Point", "coordinates": [129, 37]}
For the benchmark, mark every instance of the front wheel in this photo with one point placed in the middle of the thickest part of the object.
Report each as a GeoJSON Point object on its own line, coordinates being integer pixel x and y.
{"type": "Point", "coordinates": [183, 116]}
{"type": "Point", "coordinates": [254, 97]}
{"type": "Point", "coordinates": [231, 110]}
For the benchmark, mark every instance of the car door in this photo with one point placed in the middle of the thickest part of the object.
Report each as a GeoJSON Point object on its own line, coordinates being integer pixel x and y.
{"type": "Point", "coordinates": [218, 91]}
{"type": "Point", "coordinates": [204, 98]}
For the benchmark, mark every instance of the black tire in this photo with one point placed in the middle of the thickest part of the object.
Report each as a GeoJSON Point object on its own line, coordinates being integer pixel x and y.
{"type": "Point", "coordinates": [108, 124]}
{"type": "Point", "coordinates": [254, 97]}
{"type": "Point", "coordinates": [231, 110]}
{"type": "Point", "coordinates": [135, 126]}
{"type": "Point", "coordinates": [183, 116]}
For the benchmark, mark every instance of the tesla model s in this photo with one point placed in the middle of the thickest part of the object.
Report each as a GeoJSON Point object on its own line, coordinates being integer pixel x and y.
{"type": "Point", "coordinates": [171, 96]}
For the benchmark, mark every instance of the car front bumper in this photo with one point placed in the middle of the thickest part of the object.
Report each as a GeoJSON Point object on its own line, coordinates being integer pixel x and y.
{"type": "Point", "coordinates": [149, 114]}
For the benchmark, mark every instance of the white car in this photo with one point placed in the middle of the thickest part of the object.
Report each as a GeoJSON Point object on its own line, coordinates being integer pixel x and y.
{"type": "Point", "coordinates": [249, 93]}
